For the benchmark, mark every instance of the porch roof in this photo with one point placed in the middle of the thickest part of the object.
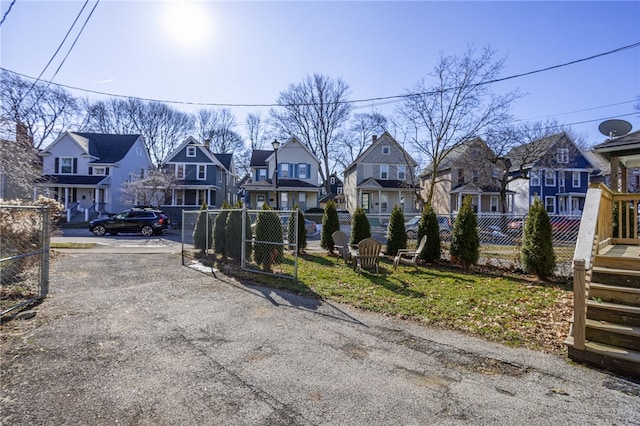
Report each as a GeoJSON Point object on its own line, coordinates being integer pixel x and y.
{"type": "Point", "coordinates": [283, 184]}
{"type": "Point", "coordinates": [91, 180]}
{"type": "Point", "coordinates": [385, 183]}
{"type": "Point", "coordinates": [478, 189]}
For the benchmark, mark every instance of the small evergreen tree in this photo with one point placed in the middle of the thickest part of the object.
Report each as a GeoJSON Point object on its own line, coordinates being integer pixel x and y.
{"type": "Point", "coordinates": [302, 231]}
{"type": "Point", "coordinates": [202, 233]}
{"type": "Point", "coordinates": [537, 254]}
{"type": "Point", "coordinates": [268, 247]}
{"type": "Point", "coordinates": [219, 230]}
{"type": "Point", "coordinates": [233, 234]}
{"type": "Point", "coordinates": [429, 226]}
{"type": "Point", "coordinates": [465, 243]}
{"type": "Point", "coordinates": [396, 232]}
{"type": "Point", "coordinates": [330, 224]}
{"type": "Point", "coordinates": [360, 226]}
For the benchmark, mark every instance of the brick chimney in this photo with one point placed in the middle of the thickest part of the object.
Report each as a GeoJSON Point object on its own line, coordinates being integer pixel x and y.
{"type": "Point", "coordinates": [207, 143]}
{"type": "Point", "coordinates": [374, 138]}
{"type": "Point", "coordinates": [22, 135]}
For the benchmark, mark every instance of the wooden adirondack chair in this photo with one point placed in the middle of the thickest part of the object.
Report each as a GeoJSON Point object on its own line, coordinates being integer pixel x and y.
{"type": "Point", "coordinates": [409, 257]}
{"type": "Point", "coordinates": [341, 243]}
{"type": "Point", "coordinates": [368, 256]}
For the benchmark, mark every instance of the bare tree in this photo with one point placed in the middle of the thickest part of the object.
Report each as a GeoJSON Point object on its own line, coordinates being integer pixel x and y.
{"type": "Point", "coordinates": [162, 128]}
{"type": "Point", "coordinates": [218, 126]}
{"type": "Point", "coordinates": [363, 126]}
{"type": "Point", "coordinates": [44, 110]}
{"type": "Point", "coordinates": [256, 131]}
{"type": "Point", "coordinates": [314, 110]}
{"type": "Point", "coordinates": [152, 190]}
{"type": "Point", "coordinates": [456, 108]}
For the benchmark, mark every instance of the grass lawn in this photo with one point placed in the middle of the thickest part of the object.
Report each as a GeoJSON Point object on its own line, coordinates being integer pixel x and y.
{"type": "Point", "coordinates": [508, 308]}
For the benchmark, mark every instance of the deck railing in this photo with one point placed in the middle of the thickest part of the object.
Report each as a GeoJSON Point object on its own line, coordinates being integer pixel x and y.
{"type": "Point", "coordinates": [608, 218]}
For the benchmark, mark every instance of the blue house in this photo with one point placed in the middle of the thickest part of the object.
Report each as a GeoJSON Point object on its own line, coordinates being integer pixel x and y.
{"type": "Point", "coordinates": [200, 176]}
{"type": "Point", "coordinates": [553, 169]}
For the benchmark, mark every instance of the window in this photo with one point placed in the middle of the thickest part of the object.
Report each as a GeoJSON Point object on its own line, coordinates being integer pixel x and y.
{"type": "Point", "coordinates": [460, 175]}
{"type": "Point", "coordinates": [191, 151]}
{"type": "Point", "coordinates": [575, 179]}
{"type": "Point", "coordinates": [384, 171]}
{"type": "Point", "coordinates": [386, 150]}
{"type": "Point", "coordinates": [534, 176]}
{"type": "Point", "coordinates": [333, 180]}
{"type": "Point", "coordinates": [139, 152]}
{"type": "Point", "coordinates": [493, 203]}
{"type": "Point", "coordinates": [563, 155]}
{"type": "Point", "coordinates": [561, 176]}
{"type": "Point", "coordinates": [66, 165]}
{"type": "Point", "coordinates": [262, 174]}
{"type": "Point", "coordinates": [384, 204]}
{"type": "Point", "coordinates": [339, 190]}
{"type": "Point", "coordinates": [549, 178]}
{"type": "Point", "coordinates": [179, 197]}
{"type": "Point", "coordinates": [259, 200]}
{"type": "Point", "coordinates": [284, 171]}
{"type": "Point", "coordinates": [180, 171]}
{"type": "Point", "coordinates": [302, 172]}
{"type": "Point", "coordinates": [302, 197]}
{"type": "Point", "coordinates": [550, 204]}
{"type": "Point", "coordinates": [220, 173]}
{"type": "Point", "coordinates": [475, 176]}
{"type": "Point", "coordinates": [100, 171]}
{"type": "Point", "coordinates": [200, 197]}
{"type": "Point", "coordinates": [284, 200]}
{"type": "Point", "coordinates": [402, 172]}
{"type": "Point", "coordinates": [202, 172]}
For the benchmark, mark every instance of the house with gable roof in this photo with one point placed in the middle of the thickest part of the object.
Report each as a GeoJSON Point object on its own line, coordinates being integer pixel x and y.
{"type": "Point", "coordinates": [200, 176]}
{"type": "Point", "coordinates": [86, 171]}
{"type": "Point", "coordinates": [283, 178]}
{"type": "Point", "coordinates": [380, 178]}
{"type": "Point", "coordinates": [553, 169]}
{"type": "Point", "coordinates": [468, 169]}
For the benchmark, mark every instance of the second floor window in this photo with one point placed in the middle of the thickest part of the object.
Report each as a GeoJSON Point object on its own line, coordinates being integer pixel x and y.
{"type": "Point", "coordinates": [549, 178]}
{"type": "Point", "coordinates": [563, 155]}
{"type": "Point", "coordinates": [402, 172]}
{"type": "Point", "coordinates": [262, 174]}
{"type": "Point", "coordinates": [575, 179]}
{"type": "Point", "coordinates": [384, 171]}
{"type": "Point", "coordinates": [534, 176]}
{"type": "Point", "coordinates": [284, 171]}
{"type": "Point", "coordinates": [202, 171]}
{"type": "Point", "coordinates": [302, 171]}
{"type": "Point", "coordinates": [475, 176]}
{"type": "Point", "coordinates": [66, 165]}
{"type": "Point", "coordinates": [460, 175]}
{"type": "Point", "coordinates": [191, 151]}
{"type": "Point", "coordinates": [180, 171]}
{"type": "Point", "coordinates": [386, 150]}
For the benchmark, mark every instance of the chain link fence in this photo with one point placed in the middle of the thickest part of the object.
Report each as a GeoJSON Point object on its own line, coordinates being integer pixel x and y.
{"type": "Point", "coordinates": [24, 256]}
{"type": "Point", "coordinates": [260, 241]}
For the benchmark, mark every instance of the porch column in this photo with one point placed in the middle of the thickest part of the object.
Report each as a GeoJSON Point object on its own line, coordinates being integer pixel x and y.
{"type": "Point", "coordinates": [623, 178]}
{"type": "Point", "coordinates": [96, 199]}
{"type": "Point", "coordinates": [66, 197]}
{"type": "Point", "coordinates": [379, 201]}
{"type": "Point", "coordinates": [614, 174]}
{"type": "Point", "coordinates": [359, 200]}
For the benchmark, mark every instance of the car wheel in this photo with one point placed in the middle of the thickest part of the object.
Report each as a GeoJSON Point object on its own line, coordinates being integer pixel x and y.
{"type": "Point", "coordinates": [147, 231]}
{"type": "Point", "coordinates": [99, 230]}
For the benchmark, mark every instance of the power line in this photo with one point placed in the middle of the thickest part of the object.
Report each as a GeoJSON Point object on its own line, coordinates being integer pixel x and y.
{"type": "Point", "coordinates": [578, 110]}
{"type": "Point", "coordinates": [7, 12]}
{"type": "Point", "coordinates": [388, 99]}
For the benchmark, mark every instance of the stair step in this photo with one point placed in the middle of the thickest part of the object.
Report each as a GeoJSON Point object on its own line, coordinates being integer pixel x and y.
{"type": "Point", "coordinates": [616, 276]}
{"type": "Point", "coordinates": [615, 294]}
{"type": "Point", "coordinates": [612, 358]}
{"type": "Point", "coordinates": [627, 263]}
{"type": "Point", "coordinates": [613, 312]}
{"type": "Point", "coordinates": [625, 336]}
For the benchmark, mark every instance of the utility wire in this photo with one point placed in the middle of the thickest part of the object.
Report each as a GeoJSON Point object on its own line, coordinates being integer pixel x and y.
{"type": "Point", "coordinates": [388, 99]}
{"type": "Point", "coordinates": [7, 12]}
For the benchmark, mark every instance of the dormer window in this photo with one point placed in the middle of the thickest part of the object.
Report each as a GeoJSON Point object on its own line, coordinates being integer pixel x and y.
{"type": "Point", "coordinates": [191, 151]}
{"type": "Point", "coordinates": [386, 150]}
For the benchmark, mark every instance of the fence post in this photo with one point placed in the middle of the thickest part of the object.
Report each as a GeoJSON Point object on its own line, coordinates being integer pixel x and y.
{"type": "Point", "coordinates": [46, 240]}
{"type": "Point", "coordinates": [579, 304]}
{"type": "Point", "coordinates": [243, 238]}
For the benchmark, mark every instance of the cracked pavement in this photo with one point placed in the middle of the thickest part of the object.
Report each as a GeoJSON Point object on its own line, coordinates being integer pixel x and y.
{"type": "Point", "coordinates": [141, 339]}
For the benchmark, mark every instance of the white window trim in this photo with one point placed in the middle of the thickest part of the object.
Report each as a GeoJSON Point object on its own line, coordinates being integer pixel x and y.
{"type": "Point", "coordinates": [191, 151]}
{"type": "Point", "coordinates": [534, 177]}
{"type": "Point", "coordinates": [386, 148]}
{"type": "Point", "coordinates": [554, 204]}
{"type": "Point", "coordinates": [493, 202]}
{"type": "Point", "coordinates": [386, 169]}
{"type": "Point", "coordinates": [562, 155]}
{"type": "Point", "coordinates": [60, 166]}
{"type": "Point", "coordinates": [402, 172]}
{"type": "Point", "coordinates": [262, 174]}
{"type": "Point", "coordinates": [302, 171]}
{"type": "Point", "coordinates": [281, 175]}
{"type": "Point", "coordinates": [548, 174]}
{"type": "Point", "coordinates": [202, 167]}
{"type": "Point", "coordinates": [182, 167]}
{"type": "Point", "coordinates": [575, 176]}
{"type": "Point", "coordinates": [101, 169]}
{"type": "Point", "coordinates": [563, 179]}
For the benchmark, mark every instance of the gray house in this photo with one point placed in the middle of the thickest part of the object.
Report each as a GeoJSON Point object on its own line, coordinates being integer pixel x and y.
{"type": "Point", "coordinates": [200, 176]}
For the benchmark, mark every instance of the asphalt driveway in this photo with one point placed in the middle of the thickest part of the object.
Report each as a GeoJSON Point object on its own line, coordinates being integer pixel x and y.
{"type": "Point", "coordinates": [137, 338]}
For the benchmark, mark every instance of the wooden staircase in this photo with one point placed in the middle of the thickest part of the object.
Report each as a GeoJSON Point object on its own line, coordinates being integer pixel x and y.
{"type": "Point", "coordinates": [612, 326]}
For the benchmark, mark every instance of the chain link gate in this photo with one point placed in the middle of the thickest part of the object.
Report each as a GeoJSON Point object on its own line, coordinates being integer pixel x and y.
{"type": "Point", "coordinates": [24, 256]}
{"type": "Point", "coordinates": [258, 241]}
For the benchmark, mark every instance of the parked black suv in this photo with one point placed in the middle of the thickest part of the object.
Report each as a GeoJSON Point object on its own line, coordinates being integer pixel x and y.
{"type": "Point", "coordinates": [146, 221]}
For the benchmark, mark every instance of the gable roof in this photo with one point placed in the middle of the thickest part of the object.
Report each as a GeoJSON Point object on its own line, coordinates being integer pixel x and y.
{"type": "Point", "coordinates": [190, 140]}
{"type": "Point", "coordinates": [386, 137]}
{"type": "Point", "coordinates": [457, 152]}
{"type": "Point", "coordinates": [293, 139]}
{"type": "Point", "coordinates": [102, 147]}
{"type": "Point", "coordinates": [527, 155]}
{"type": "Point", "coordinates": [225, 160]}
{"type": "Point", "coordinates": [259, 157]}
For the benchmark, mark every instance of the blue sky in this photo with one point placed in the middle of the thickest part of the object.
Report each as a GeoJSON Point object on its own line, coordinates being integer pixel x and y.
{"type": "Point", "coordinates": [248, 52]}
